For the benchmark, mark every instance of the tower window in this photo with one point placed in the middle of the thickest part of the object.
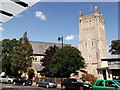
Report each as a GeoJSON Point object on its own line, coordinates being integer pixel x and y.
{"type": "Point", "coordinates": [86, 44]}
{"type": "Point", "coordinates": [90, 22]}
{"type": "Point", "coordinates": [92, 43]}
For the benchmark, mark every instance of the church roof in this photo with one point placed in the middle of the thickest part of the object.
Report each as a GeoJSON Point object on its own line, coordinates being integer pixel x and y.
{"type": "Point", "coordinates": [41, 47]}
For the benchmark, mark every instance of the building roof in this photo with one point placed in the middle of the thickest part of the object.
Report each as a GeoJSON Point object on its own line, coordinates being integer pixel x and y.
{"type": "Point", "coordinates": [111, 57]}
{"type": "Point", "coordinates": [41, 47]}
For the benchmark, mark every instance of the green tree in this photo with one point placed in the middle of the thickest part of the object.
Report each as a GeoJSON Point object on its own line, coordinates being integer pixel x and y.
{"type": "Point", "coordinates": [115, 47]}
{"type": "Point", "coordinates": [22, 56]}
{"type": "Point", "coordinates": [7, 53]}
{"type": "Point", "coordinates": [47, 60]}
{"type": "Point", "coordinates": [16, 55]}
{"type": "Point", "coordinates": [65, 61]}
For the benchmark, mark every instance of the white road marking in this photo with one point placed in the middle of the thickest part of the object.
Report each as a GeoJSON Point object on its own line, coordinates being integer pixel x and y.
{"type": "Point", "coordinates": [8, 86]}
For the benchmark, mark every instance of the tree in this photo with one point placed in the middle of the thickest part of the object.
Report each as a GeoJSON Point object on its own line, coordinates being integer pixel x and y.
{"type": "Point", "coordinates": [16, 55]}
{"type": "Point", "coordinates": [47, 60]}
{"type": "Point", "coordinates": [22, 56]}
{"type": "Point", "coordinates": [65, 61]}
{"type": "Point", "coordinates": [115, 47]}
{"type": "Point", "coordinates": [7, 53]}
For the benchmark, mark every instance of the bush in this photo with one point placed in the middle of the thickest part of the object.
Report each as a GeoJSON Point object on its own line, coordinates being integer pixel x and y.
{"type": "Point", "coordinates": [89, 77]}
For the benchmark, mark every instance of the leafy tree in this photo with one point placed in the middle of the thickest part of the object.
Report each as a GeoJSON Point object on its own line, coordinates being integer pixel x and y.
{"type": "Point", "coordinates": [115, 47]}
{"type": "Point", "coordinates": [65, 61]}
{"type": "Point", "coordinates": [47, 60]}
{"type": "Point", "coordinates": [7, 53]}
{"type": "Point", "coordinates": [22, 56]}
{"type": "Point", "coordinates": [16, 55]}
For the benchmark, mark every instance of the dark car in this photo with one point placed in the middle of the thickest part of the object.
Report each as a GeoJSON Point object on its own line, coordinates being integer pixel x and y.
{"type": "Point", "coordinates": [73, 84]}
{"type": "Point", "coordinates": [22, 81]}
{"type": "Point", "coordinates": [46, 83]}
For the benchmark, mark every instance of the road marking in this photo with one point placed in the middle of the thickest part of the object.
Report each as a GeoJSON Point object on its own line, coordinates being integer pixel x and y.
{"type": "Point", "coordinates": [8, 86]}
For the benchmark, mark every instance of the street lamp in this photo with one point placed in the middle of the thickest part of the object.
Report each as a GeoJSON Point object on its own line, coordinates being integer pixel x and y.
{"type": "Point", "coordinates": [60, 39]}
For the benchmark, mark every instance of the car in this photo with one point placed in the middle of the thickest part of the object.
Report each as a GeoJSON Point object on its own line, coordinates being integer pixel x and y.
{"type": "Point", "coordinates": [6, 79]}
{"type": "Point", "coordinates": [117, 81]}
{"type": "Point", "coordinates": [106, 85]}
{"type": "Point", "coordinates": [72, 83]}
{"type": "Point", "coordinates": [22, 81]}
{"type": "Point", "coordinates": [46, 83]}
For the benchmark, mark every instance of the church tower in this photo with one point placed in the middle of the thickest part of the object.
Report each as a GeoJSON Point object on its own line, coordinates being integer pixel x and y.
{"type": "Point", "coordinates": [92, 42]}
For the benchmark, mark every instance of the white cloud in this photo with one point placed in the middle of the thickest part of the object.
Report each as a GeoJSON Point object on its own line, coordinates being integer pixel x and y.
{"type": "Point", "coordinates": [1, 29]}
{"type": "Point", "coordinates": [40, 15]}
{"type": "Point", "coordinates": [70, 37]}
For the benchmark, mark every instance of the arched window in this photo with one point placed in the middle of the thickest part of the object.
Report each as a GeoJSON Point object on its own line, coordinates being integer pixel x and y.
{"type": "Point", "coordinates": [92, 43]}
{"type": "Point", "coordinates": [85, 44]}
{"type": "Point", "coordinates": [90, 22]}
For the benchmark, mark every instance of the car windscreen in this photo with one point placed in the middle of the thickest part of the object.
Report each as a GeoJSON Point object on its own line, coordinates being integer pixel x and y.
{"type": "Point", "coordinates": [74, 80]}
{"type": "Point", "coordinates": [118, 82]}
{"type": "Point", "coordinates": [3, 76]}
{"type": "Point", "coordinates": [47, 80]}
{"type": "Point", "coordinates": [10, 76]}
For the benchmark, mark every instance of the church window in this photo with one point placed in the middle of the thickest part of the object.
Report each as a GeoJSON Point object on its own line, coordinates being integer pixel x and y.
{"type": "Point", "coordinates": [86, 24]}
{"type": "Point", "coordinates": [35, 59]}
{"type": "Point", "coordinates": [92, 43]}
{"type": "Point", "coordinates": [90, 22]}
{"type": "Point", "coordinates": [86, 44]}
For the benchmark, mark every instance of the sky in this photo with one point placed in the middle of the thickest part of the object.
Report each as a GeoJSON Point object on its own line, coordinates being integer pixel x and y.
{"type": "Point", "coordinates": [46, 21]}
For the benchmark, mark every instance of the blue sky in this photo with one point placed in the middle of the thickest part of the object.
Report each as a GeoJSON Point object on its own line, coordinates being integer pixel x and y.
{"type": "Point", "coordinates": [46, 21]}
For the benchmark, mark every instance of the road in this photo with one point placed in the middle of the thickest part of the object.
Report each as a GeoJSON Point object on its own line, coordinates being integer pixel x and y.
{"type": "Point", "coordinates": [20, 87]}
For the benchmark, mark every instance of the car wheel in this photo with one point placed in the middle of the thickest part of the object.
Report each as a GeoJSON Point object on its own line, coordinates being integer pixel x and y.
{"type": "Point", "coordinates": [37, 85]}
{"type": "Point", "coordinates": [63, 87]}
{"type": "Point", "coordinates": [47, 86]}
{"type": "Point", "coordinates": [9, 81]}
{"type": "Point", "coordinates": [14, 83]}
{"type": "Point", "coordinates": [81, 88]}
{"type": "Point", "coordinates": [24, 84]}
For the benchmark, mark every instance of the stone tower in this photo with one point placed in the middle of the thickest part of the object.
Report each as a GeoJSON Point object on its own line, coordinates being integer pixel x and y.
{"type": "Point", "coordinates": [92, 40]}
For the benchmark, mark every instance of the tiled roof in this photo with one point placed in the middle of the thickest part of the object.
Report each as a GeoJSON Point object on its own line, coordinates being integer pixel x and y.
{"type": "Point", "coordinates": [41, 47]}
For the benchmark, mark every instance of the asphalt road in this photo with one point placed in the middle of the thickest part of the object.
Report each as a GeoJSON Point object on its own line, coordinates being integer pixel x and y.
{"type": "Point", "coordinates": [20, 87]}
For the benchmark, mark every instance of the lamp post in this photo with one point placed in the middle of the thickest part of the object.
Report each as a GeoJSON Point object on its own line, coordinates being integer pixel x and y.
{"type": "Point", "coordinates": [60, 39]}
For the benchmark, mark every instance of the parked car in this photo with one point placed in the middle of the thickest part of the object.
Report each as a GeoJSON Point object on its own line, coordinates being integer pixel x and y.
{"type": "Point", "coordinates": [117, 81]}
{"type": "Point", "coordinates": [72, 83]}
{"type": "Point", "coordinates": [106, 85]}
{"type": "Point", "coordinates": [46, 83]}
{"type": "Point", "coordinates": [6, 79]}
{"type": "Point", "coordinates": [22, 81]}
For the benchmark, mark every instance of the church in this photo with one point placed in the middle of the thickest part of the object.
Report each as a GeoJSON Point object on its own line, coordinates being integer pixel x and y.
{"type": "Point", "coordinates": [93, 47]}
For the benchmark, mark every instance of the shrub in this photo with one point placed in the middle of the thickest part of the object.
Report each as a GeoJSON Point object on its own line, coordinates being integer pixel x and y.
{"type": "Point", "coordinates": [89, 77]}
